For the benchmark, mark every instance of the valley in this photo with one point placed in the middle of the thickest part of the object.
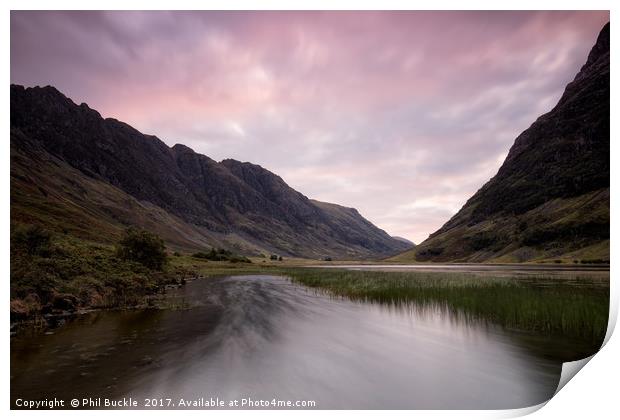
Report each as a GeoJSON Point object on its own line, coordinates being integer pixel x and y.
{"type": "Point", "coordinates": [141, 270]}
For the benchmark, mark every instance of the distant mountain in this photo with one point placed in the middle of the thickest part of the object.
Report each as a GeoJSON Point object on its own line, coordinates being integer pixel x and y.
{"type": "Point", "coordinates": [550, 198]}
{"type": "Point", "coordinates": [405, 240]}
{"type": "Point", "coordinates": [74, 171]}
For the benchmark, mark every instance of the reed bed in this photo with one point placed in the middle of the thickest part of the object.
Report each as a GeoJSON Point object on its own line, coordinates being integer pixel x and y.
{"type": "Point", "coordinates": [573, 307]}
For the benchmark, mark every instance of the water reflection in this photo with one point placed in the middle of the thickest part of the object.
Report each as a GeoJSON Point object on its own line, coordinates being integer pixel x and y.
{"type": "Point", "coordinates": [264, 337]}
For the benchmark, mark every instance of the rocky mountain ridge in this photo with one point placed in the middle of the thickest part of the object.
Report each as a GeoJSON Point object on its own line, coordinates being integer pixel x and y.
{"type": "Point", "coordinates": [228, 203]}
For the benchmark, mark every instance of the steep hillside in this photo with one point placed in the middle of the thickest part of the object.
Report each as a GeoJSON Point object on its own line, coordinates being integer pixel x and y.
{"type": "Point", "coordinates": [74, 171]}
{"type": "Point", "coordinates": [550, 198]}
{"type": "Point", "coordinates": [405, 240]}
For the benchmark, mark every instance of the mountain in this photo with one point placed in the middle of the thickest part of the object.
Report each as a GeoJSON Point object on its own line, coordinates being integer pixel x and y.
{"type": "Point", "coordinates": [550, 198]}
{"type": "Point", "coordinates": [76, 172]}
{"type": "Point", "coordinates": [405, 240]}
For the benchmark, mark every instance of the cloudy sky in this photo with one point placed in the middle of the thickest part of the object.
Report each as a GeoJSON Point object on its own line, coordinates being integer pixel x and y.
{"type": "Point", "coordinates": [402, 115]}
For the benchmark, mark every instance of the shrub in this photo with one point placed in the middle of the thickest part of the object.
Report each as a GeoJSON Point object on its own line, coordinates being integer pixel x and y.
{"type": "Point", "coordinates": [143, 247]}
{"type": "Point", "coordinates": [34, 240]}
{"type": "Point", "coordinates": [429, 253]}
{"type": "Point", "coordinates": [481, 240]}
{"type": "Point", "coordinates": [221, 254]}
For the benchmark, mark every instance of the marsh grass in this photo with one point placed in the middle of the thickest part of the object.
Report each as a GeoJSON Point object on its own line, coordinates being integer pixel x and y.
{"type": "Point", "coordinates": [572, 307]}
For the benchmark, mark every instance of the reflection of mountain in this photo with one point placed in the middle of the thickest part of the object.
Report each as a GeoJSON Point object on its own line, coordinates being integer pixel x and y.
{"type": "Point", "coordinates": [550, 198]}
{"type": "Point", "coordinates": [74, 171]}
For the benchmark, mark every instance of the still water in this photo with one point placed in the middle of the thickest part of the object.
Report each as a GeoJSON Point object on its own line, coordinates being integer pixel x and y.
{"type": "Point", "coordinates": [263, 337]}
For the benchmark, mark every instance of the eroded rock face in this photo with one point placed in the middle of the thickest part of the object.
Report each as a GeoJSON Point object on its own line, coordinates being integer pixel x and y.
{"type": "Point", "coordinates": [227, 198]}
{"type": "Point", "coordinates": [564, 155]}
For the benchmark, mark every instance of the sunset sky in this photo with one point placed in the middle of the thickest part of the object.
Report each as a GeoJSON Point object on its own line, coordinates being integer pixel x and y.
{"type": "Point", "coordinates": [402, 115]}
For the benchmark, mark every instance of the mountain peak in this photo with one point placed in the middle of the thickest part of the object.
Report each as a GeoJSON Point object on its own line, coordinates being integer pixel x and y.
{"type": "Point", "coordinates": [49, 96]}
{"type": "Point", "coordinates": [600, 48]}
{"type": "Point", "coordinates": [551, 194]}
{"type": "Point", "coordinates": [182, 148]}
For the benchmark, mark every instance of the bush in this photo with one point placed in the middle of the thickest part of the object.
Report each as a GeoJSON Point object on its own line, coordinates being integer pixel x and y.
{"type": "Point", "coordinates": [429, 253]}
{"type": "Point", "coordinates": [221, 254]}
{"type": "Point", "coordinates": [481, 240]}
{"type": "Point", "coordinates": [143, 247]}
{"type": "Point", "coordinates": [34, 240]}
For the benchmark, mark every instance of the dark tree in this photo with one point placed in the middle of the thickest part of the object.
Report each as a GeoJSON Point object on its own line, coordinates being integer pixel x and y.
{"type": "Point", "coordinates": [143, 247]}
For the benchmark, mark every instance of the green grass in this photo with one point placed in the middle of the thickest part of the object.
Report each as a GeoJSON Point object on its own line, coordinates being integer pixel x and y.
{"type": "Point", "coordinates": [571, 307]}
{"type": "Point", "coordinates": [70, 273]}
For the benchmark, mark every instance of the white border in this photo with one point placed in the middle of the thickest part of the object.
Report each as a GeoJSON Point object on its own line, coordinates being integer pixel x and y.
{"type": "Point", "coordinates": [592, 394]}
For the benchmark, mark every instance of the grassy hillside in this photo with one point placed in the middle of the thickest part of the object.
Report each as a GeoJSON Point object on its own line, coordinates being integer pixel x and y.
{"type": "Point", "coordinates": [573, 230]}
